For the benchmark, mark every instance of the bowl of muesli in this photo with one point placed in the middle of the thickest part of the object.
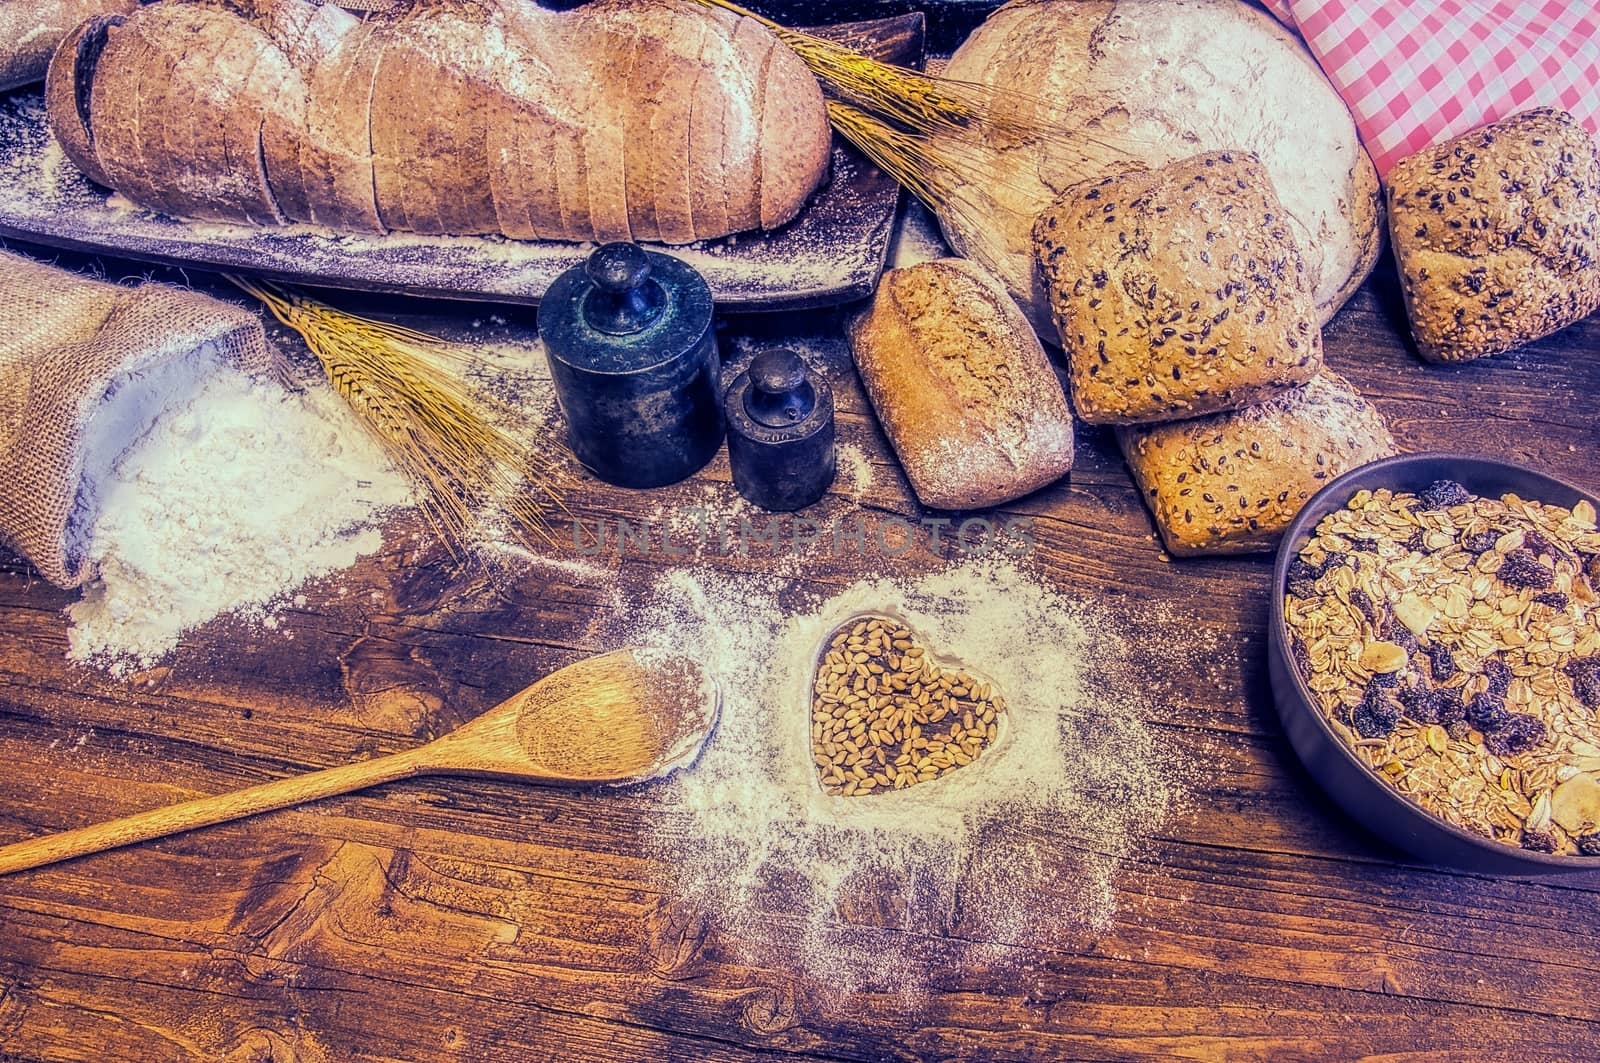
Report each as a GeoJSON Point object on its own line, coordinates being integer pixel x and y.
{"type": "Point", "coordinates": [1435, 658]}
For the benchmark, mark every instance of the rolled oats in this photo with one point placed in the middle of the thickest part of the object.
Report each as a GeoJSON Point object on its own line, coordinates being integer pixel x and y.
{"type": "Point", "coordinates": [1454, 643]}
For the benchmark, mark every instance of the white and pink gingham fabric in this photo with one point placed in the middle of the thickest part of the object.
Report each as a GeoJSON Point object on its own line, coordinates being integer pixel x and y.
{"type": "Point", "coordinates": [1416, 72]}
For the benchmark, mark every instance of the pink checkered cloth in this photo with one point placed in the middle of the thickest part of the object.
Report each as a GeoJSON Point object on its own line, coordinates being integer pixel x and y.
{"type": "Point", "coordinates": [1416, 72]}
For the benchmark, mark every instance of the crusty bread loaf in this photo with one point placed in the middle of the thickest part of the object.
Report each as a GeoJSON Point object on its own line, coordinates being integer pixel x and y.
{"type": "Point", "coordinates": [521, 131]}
{"type": "Point", "coordinates": [228, 177]}
{"type": "Point", "coordinates": [1497, 233]}
{"type": "Point", "coordinates": [1231, 482]}
{"type": "Point", "coordinates": [709, 113]}
{"type": "Point", "coordinates": [30, 31]}
{"type": "Point", "coordinates": [1151, 81]}
{"type": "Point", "coordinates": [625, 119]}
{"type": "Point", "coordinates": [741, 157]}
{"type": "Point", "coordinates": [69, 113]}
{"type": "Point", "coordinates": [605, 138]}
{"type": "Point", "coordinates": [344, 125]}
{"type": "Point", "coordinates": [965, 392]}
{"type": "Point", "coordinates": [1177, 291]}
{"type": "Point", "coordinates": [306, 34]}
{"type": "Point", "coordinates": [114, 137]}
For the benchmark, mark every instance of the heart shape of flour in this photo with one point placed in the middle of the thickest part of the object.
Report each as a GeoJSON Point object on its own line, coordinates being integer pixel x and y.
{"type": "Point", "coordinates": [886, 714]}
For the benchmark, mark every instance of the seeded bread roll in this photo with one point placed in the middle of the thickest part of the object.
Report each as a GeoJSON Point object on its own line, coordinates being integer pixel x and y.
{"type": "Point", "coordinates": [963, 388]}
{"type": "Point", "coordinates": [1177, 291]}
{"type": "Point", "coordinates": [1230, 483]}
{"type": "Point", "coordinates": [1498, 235]}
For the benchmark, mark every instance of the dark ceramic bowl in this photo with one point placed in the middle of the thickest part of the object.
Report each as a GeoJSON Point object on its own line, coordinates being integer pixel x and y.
{"type": "Point", "coordinates": [1354, 787]}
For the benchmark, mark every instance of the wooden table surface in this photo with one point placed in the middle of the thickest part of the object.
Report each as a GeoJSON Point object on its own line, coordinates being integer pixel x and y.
{"type": "Point", "coordinates": [476, 920]}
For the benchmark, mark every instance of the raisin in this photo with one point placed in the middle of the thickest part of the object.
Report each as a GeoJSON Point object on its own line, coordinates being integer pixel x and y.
{"type": "Point", "coordinates": [1479, 542]}
{"type": "Point", "coordinates": [1459, 730]}
{"type": "Point", "coordinates": [1420, 704]}
{"type": "Point", "coordinates": [1302, 657]}
{"type": "Point", "coordinates": [1441, 662]}
{"type": "Point", "coordinates": [1539, 841]}
{"type": "Point", "coordinates": [1522, 569]}
{"type": "Point", "coordinates": [1589, 845]}
{"type": "Point", "coordinates": [1387, 680]}
{"type": "Point", "coordinates": [1364, 546]}
{"type": "Point", "coordinates": [1376, 716]}
{"type": "Point", "coordinates": [1402, 637]}
{"type": "Point", "coordinates": [1554, 600]}
{"type": "Point", "coordinates": [1416, 543]}
{"type": "Point", "coordinates": [1487, 712]}
{"type": "Point", "coordinates": [1442, 494]}
{"type": "Point", "coordinates": [1369, 608]}
{"type": "Point", "coordinates": [1585, 675]}
{"type": "Point", "coordinates": [1301, 569]}
{"type": "Point", "coordinates": [1518, 734]}
{"type": "Point", "coordinates": [1451, 711]}
{"type": "Point", "coordinates": [1498, 675]}
{"type": "Point", "coordinates": [1538, 544]}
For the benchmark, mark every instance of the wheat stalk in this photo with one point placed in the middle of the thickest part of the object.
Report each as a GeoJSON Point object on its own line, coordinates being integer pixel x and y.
{"type": "Point", "coordinates": [943, 139]}
{"type": "Point", "coordinates": [425, 419]}
{"type": "Point", "coordinates": [917, 99]}
{"type": "Point", "coordinates": [921, 102]}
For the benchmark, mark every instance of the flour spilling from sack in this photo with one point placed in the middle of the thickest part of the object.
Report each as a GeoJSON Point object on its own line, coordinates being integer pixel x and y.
{"type": "Point", "coordinates": [1020, 848]}
{"type": "Point", "coordinates": [206, 491]}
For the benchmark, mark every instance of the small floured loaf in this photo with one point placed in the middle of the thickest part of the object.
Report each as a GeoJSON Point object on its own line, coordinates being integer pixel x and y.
{"type": "Point", "coordinates": [1230, 483]}
{"type": "Point", "coordinates": [965, 392]}
{"type": "Point", "coordinates": [1497, 233]}
{"type": "Point", "coordinates": [1178, 291]}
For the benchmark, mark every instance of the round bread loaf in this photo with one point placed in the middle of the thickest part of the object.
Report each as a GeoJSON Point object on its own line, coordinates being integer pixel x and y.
{"type": "Point", "coordinates": [1147, 82]}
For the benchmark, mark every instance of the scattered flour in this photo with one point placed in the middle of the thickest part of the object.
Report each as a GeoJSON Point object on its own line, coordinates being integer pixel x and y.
{"type": "Point", "coordinates": [205, 492]}
{"type": "Point", "coordinates": [855, 470]}
{"type": "Point", "coordinates": [515, 375]}
{"type": "Point", "coordinates": [1022, 847]}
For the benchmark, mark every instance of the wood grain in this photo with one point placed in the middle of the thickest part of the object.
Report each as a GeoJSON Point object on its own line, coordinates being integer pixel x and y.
{"type": "Point", "coordinates": [437, 919]}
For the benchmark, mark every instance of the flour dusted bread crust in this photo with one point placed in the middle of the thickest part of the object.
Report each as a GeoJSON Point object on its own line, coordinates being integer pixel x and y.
{"type": "Point", "coordinates": [1150, 82]}
{"type": "Point", "coordinates": [1177, 291]}
{"type": "Point", "coordinates": [965, 392]}
{"type": "Point", "coordinates": [1497, 233]}
{"type": "Point", "coordinates": [30, 31]}
{"type": "Point", "coordinates": [1230, 483]}
{"type": "Point", "coordinates": [624, 119]}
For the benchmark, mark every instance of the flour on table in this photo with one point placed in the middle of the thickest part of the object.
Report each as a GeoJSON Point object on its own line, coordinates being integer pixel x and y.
{"type": "Point", "coordinates": [1022, 847]}
{"type": "Point", "coordinates": [854, 477]}
{"type": "Point", "coordinates": [206, 491]}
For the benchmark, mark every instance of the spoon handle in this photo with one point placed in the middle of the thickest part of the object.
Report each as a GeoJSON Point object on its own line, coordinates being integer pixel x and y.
{"type": "Point", "coordinates": [204, 811]}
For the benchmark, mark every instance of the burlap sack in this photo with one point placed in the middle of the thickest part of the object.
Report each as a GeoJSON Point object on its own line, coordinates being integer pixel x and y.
{"type": "Point", "coordinates": [63, 340]}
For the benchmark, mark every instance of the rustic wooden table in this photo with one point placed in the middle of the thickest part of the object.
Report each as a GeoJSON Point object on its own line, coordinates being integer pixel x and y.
{"type": "Point", "coordinates": [475, 920]}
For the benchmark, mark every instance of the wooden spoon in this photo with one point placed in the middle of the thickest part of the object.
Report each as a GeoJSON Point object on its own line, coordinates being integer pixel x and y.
{"type": "Point", "coordinates": [622, 717]}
